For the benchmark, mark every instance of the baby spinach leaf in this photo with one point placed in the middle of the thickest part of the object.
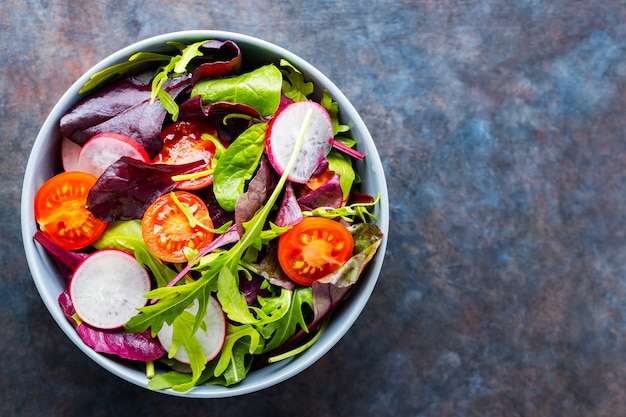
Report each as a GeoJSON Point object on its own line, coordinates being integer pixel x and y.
{"type": "Point", "coordinates": [259, 89]}
{"type": "Point", "coordinates": [255, 196]}
{"type": "Point", "coordinates": [237, 164]}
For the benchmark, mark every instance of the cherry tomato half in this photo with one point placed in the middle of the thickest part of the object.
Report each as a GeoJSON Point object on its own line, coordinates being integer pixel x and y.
{"type": "Point", "coordinates": [314, 248]}
{"type": "Point", "coordinates": [182, 143]}
{"type": "Point", "coordinates": [61, 210]}
{"type": "Point", "coordinates": [166, 230]}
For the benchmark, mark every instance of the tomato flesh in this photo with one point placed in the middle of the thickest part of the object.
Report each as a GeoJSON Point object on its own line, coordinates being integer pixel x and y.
{"type": "Point", "coordinates": [316, 181]}
{"type": "Point", "coordinates": [61, 210]}
{"type": "Point", "coordinates": [166, 229]}
{"type": "Point", "coordinates": [182, 143]}
{"type": "Point", "coordinates": [314, 248]}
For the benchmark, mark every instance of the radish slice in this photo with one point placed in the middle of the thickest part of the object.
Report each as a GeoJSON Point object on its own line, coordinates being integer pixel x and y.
{"type": "Point", "coordinates": [108, 287]}
{"type": "Point", "coordinates": [69, 154]}
{"type": "Point", "coordinates": [105, 148]}
{"type": "Point", "coordinates": [283, 134]}
{"type": "Point", "coordinates": [211, 339]}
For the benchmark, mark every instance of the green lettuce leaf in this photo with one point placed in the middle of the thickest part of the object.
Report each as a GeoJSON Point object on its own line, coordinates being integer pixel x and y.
{"type": "Point", "coordinates": [341, 164]}
{"type": "Point", "coordinates": [294, 86]}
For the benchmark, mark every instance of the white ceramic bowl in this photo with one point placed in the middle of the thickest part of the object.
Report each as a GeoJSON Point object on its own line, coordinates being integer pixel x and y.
{"type": "Point", "coordinates": [44, 160]}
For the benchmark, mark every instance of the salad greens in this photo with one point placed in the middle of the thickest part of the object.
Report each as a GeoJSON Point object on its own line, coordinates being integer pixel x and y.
{"type": "Point", "coordinates": [259, 89]}
{"type": "Point", "coordinates": [237, 165]}
{"type": "Point", "coordinates": [269, 317]}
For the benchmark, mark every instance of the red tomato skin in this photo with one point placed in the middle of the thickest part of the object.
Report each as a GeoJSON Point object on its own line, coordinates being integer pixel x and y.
{"type": "Point", "coordinates": [166, 230]}
{"type": "Point", "coordinates": [313, 249]}
{"type": "Point", "coordinates": [61, 210]}
{"type": "Point", "coordinates": [182, 143]}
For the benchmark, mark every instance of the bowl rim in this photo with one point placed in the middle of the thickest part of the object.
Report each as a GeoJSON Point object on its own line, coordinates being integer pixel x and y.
{"type": "Point", "coordinates": [41, 267]}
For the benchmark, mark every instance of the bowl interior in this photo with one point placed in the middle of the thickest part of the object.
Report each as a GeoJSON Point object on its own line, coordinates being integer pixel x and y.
{"type": "Point", "coordinates": [43, 164]}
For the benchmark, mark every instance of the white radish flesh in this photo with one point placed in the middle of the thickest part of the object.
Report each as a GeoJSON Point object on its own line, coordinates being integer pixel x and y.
{"type": "Point", "coordinates": [284, 132]}
{"type": "Point", "coordinates": [104, 149]}
{"type": "Point", "coordinates": [211, 340]}
{"type": "Point", "coordinates": [108, 287]}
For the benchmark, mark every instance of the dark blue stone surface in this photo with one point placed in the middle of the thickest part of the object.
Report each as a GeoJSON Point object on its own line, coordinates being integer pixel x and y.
{"type": "Point", "coordinates": [501, 128]}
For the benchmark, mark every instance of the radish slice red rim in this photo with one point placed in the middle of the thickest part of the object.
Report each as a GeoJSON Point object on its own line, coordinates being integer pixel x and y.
{"type": "Point", "coordinates": [105, 148]}
{"type": "Point", "coordinates": [283, 133]}
{"type": "Point", "coordinates": [211, 340]}
{"type": "Point", "coordinates": [108, 287]}
{"type": "Point", "coordinates": [69, 154]}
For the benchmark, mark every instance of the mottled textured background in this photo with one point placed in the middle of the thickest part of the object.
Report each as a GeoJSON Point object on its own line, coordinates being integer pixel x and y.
{"type": "Point", "coordinates": [501, 129]}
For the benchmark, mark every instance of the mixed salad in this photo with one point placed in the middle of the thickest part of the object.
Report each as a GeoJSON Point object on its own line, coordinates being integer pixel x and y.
{"type": "Point", "coordinates": [207, 215]}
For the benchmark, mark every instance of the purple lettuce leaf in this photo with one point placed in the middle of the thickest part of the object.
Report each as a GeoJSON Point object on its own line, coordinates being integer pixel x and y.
{"type": "Point", "coordinates": [123, 107]}
{"type": "Point", "coordinates": [66, 260]}
{"type": "Point", "coordinates": [259, 189]}
{"type": "Point", "coordinates": [134, 346]}
{"type": "Point", "coordinates": [103, 105]}
{"type": "Point", "coordinates": [219, 216]}
{"type": "Point", "coordinates": [251, 288]}
{"type": "Point", "coordinates": [289, 212]}
{"type": "Point", "coordinates": [127, 188]}
{"type": "Point", "coordinates": [224, 58]}
{"type": "Point", "coordinates": [328, 194]}
{"type": "Point", "coordinates": [269, 268]}
{"type": "Point", "coordinates": [284, 101]}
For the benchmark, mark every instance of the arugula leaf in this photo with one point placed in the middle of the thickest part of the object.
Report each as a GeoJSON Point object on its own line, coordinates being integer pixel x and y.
{"type": "Point", "coordinates": [232, 300]}
{"type": "Point", "coordinates": [259, 89]}
{"type": "Point", "coordinates": [274, 308]}
{"type": "Point", "coordinates": [182, 335]}
{"type": "Point", "coordinates": [168, 380]}
{"type": "Point", "coordinates": [240, 341]}
{"type": "Point", "coordinates": [320, 331]}
{"type": "Point", "coordinates": [237, 164]}
{"type": "Point", "coordinates": [176, 66]}
{"type": "Point", "coordinates": [348, 213]}
{"type": "Point", "coordinates": [174, 300]}
{"type": "Point", "coordinates": [281, 330]}
{"type": "Point", "coordinates": [136, 60]}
